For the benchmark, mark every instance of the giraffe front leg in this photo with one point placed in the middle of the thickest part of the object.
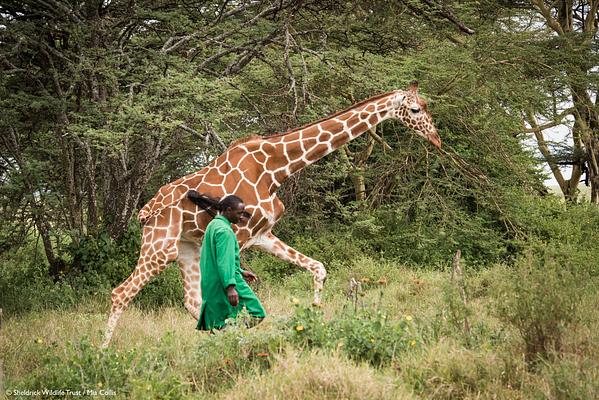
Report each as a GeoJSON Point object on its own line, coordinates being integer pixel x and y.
{"type": "Point", "coordinates": [273, 245]}
{"type": "Point", "coordinates": [189, 265]}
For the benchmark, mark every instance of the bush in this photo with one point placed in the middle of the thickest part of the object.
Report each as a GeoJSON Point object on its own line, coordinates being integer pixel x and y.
{"type": "Point", "coordinates": [85, 368]}
{"type": "Point", "coordinates": [363, 336]}
{"type": "Point", "coordinates": [233, 352]}
{"type": "Point", "coordinates": [569, 379]}
{"type": "Point", "coordinates": [540, 297]}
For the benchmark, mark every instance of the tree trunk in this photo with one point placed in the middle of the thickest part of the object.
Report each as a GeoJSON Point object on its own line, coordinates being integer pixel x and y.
{"type": "Point", "coordinates": [357, 177]}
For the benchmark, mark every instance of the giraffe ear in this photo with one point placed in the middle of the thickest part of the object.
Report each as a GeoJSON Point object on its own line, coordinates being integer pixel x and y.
{"type": "Point", "coordinates": [413, 87]}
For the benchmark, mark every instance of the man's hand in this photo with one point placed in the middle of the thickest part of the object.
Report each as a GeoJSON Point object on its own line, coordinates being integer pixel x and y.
{"type": "Point", "coordinates": [249, 276]}
{"type": "Point", "coordinates": [232, 295]}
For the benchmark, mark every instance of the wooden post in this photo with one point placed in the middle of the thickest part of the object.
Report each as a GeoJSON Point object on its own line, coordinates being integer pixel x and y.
{"type": "Point", "coordinates": [457, 278]}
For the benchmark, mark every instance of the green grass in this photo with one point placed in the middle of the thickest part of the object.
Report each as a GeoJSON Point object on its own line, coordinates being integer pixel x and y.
{"type": "Point", "coordinates": [346, 350]}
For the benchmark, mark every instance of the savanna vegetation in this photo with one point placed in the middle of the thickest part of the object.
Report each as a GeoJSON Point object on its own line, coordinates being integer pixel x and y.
{"type": "Point", "coordinates": [102, 102]}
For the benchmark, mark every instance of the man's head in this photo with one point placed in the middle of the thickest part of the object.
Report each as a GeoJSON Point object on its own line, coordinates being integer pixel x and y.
{"type": "Point", "coordinates": [232, 208]}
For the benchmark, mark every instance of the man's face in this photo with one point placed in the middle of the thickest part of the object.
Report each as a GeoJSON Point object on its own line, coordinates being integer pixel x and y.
{"type": "Point", "coordinates": [235, 215]}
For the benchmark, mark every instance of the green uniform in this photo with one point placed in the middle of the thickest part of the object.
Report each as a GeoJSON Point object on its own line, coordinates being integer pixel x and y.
{"type": "Point", "coordinates": [220, 267]}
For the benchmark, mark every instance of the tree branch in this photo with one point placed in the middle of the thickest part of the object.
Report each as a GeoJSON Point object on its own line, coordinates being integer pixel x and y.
{"type": "Point", "coordinates": [557, 120]}
{"type": "Point", "coordinates": [546, 13]}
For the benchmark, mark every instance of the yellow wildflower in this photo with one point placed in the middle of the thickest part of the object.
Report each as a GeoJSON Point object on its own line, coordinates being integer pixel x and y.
{"type": "Point", "coordinates": [295, 300]}
{"type": "Point", "coordinates": [299, 328]}
{"type": "Point", "coordinates": [408, 318]}
{"type": "Point", "coordinates": [413, 343]}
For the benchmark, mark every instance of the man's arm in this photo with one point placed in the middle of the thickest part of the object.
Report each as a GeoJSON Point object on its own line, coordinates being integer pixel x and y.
{"type": "Point", "coordinates": [225, 263]}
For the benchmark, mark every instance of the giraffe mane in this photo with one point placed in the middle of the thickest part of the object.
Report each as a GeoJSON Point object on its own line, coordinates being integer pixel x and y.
{"type": "Point", "coordinates": [278, 134]}
{"type": "Point", "coordinates": [244, 140]}
{"type": "Point", "coordinates": [358, 104]}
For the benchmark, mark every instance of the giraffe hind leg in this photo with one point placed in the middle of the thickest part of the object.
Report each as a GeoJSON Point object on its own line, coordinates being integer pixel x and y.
{"type": "Point", "coordinates": [189, 265]}
{"type": "Point", "coordinates": [148, 266]}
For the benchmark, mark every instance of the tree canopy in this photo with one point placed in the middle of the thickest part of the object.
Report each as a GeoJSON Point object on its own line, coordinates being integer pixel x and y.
{"type": "Point", "coordinates": [105, 101]}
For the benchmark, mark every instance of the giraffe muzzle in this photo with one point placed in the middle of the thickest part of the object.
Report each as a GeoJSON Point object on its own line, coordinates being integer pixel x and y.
{"type": "Point", "coordinates": [434, 139]}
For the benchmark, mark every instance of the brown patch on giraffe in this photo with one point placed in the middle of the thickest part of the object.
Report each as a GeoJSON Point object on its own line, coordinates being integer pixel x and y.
{"type": "Point", "coordinates": [333, 126]}
{"type": "Point", "coordinates": [263, 184]}
{"type": "Point", "coordinates": [248, 194]}
{"type": "Point", "coordinates": [361, 127]}
{"type": "Point", "coordinates": [310, 143]}
{"type": "Point", "coordinates": [224, 168]}
{"type": "Point", "coordinates": [374, 119]}
{"type": "Point", "coordinates": [344, 117]}
{"type": "Point", "coordinates": [260, 157]}
{"type": "Point", "coordinates": [242, 236]}
{"type": "Point", "coordinates": [325, 137]}
{"type": "Point", "coordinates": [276, 159]}
{"type": "Point", "coordinates": [268, 147]}
{"type": "Point", "coordinates": [311, 132]}
{"type": "Point", "coordinates": [214, 176]}
{"type": "Point", "coordinates": [162, 218]}
{"type": "Point", "coordinates": [292, 253]}
{"type": "Point", "coordinates": [370, 108]}
{"type": "Point", "coordinates": [353, 121]}
{"type": "Point", "coordinates": [232, 179]}
{"type": "Point", "coordinates": [340, 139]}
{"type": "Point", "coordinates": [296, 166]}
{"type": "Point", "coordinates": [280, 176]}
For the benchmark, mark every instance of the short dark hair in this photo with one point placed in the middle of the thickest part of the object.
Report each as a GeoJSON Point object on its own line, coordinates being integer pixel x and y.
{"type": "Point", "coordinates": [230, 201]}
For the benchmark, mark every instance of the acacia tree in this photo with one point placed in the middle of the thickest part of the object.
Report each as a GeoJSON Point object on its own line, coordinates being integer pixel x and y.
{"type": "Point", "coordinates": [571, 39]}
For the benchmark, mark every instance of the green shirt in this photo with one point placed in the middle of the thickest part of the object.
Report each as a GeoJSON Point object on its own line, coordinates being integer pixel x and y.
{"type": "Point", "coordinates": [220, 268]}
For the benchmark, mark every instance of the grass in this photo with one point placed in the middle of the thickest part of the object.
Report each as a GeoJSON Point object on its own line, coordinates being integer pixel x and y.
{"type": "Point", "coordinates": [159, 354]}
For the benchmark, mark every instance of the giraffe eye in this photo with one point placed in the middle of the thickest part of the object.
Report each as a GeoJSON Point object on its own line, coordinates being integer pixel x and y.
{"type": "Point", "coordinates": [415, 110]}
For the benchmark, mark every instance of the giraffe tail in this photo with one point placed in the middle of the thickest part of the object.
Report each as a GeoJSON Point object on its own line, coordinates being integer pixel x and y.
{"type": "Point", "coordinates": [144, 214]}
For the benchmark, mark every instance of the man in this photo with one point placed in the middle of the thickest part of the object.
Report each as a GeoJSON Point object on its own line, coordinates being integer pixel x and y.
{"type": "Point", "coordinates": [224, 290]}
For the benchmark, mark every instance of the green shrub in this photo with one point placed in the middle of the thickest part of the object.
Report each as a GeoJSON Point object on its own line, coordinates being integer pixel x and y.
{"type": "Point", "coordinates": [539, 296]}
{"type": "Point", "coordinates": [447, 371]}
{"type": "Point", "coordinates": [235, 351]}
{"type": "Point", "coordinates": [92, 371]}
{"type": "Point", "coordinates": [569, 378]}
{"type": "Point", "coordinates": [363, 336]}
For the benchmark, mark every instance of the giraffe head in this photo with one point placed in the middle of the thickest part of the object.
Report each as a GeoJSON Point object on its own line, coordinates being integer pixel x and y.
{"type": "Point", "coordinates": [412, 110]}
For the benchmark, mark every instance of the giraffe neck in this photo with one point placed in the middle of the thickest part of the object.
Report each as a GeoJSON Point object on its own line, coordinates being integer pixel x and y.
{"type": "Point", "coordinates": [292, 151]}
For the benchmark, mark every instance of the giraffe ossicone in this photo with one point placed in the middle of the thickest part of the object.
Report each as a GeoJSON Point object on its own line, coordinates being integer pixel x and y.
{"type": "Point", "coordinates": [253, 168]}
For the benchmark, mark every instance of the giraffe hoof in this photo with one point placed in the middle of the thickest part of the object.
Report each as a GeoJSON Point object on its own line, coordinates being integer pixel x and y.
{"type": "Point", "coordinates": [317, 304]}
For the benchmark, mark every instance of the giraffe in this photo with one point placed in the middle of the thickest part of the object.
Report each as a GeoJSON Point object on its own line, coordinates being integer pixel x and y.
{"type": "Point", "coordinates": [253, 168]}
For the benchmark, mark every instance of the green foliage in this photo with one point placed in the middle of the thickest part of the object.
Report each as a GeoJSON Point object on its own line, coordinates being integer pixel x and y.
{"type": "Point", "coordinates": [94, 372]}
{"type": "Point", "coordinates": [568, 379]}
{"type": "Point", "coordinates": [540, 297]}
{"type": "Point", "coordinates": [25, 284]}
{"type": "Point", "coordinates": [364, 336]}
{"type": "Point", "coordinates": [235, 351]}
